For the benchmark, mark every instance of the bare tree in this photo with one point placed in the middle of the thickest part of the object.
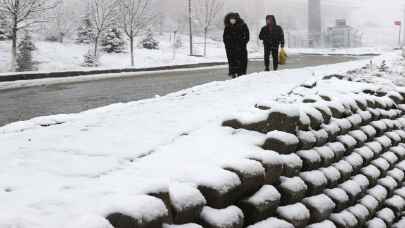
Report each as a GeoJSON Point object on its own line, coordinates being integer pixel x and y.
{"type": "Point", "coordinates": [136, 16]}
{"type": "Point", "coordinates": [23, 14]}
{"type": "Point", "coordinates": [64, 19]}
{"type": "Point", "coordinates": [207, 12]}
{"type": "Point", "coordinates": [103, 14]}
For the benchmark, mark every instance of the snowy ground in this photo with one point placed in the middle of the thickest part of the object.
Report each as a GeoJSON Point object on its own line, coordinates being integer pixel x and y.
{"type": "Point", "coordinates": [52, 56]}
{"type": "Point", "coordinates": [364, 51]}
{"type": "Point", "coordinates": [342, 51]}
{"type": "Point", "coordinates": [56, 169]}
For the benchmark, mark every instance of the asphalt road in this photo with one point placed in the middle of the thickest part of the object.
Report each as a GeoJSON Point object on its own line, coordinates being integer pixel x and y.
{"type": "Point", "coordinates": [27, 103]}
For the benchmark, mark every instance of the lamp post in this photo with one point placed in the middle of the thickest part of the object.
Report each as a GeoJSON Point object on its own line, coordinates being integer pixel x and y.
{"type": "Point", "coordinates": [190, 22]}
{"type": "Point", "coordinates": [399, 24]}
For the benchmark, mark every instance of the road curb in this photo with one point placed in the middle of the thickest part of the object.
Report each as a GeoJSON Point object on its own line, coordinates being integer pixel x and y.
{"type": "Point", "coordinates": [64, 74]}
{"type": "Point", "coordinates": [24, 76]}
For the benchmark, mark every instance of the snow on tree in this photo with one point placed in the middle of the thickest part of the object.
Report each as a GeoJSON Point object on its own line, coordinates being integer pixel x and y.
{"type": "Point", "coordinates": [3, 34]}
{"type": "Point", "coordinates": [206, 13]}
{"type": "Point", "coordinates": [85, 31]}
{"type": "Point", "coordinates": [63, 21]}
{"type": "Point", "coordinates": [24, 55]}
{"type": "Point", "coordinates": [113, 41]}
{"type": "Point", "coordinates": [23, 14]}
{"type": "Point", "coordinates": [4, 29]}
{"type": "Point", "coordinates": [90, 60]}
{"type": "Point", "coordinates": [149, 42]}
{"type": "Point", "coordinates": [103, 15]}
{"type": "Point", "coordinates": [135, 16]}
{"type": "Point", "coordinates": [178, 43]}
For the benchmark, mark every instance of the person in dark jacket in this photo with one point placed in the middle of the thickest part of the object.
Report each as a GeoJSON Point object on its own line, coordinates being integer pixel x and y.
{"type": "Point", "coordinates": [236, 37]}
{"type": "Point", "coordinates": [273, 37]}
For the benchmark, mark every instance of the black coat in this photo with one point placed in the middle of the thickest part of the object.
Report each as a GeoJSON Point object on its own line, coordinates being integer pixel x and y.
{"type": "Point", "coordinates": [273, 37]}
{"type": "Point", "coordinates": [236, 36]}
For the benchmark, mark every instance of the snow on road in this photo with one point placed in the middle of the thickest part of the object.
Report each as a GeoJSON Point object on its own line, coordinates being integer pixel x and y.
{"type": "Point", "coordinates": [340, 51]}
{"type": "Point", "coordinates": [56, 169]}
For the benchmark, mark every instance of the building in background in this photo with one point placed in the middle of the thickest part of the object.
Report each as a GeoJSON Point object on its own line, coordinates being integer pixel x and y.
{"type": "Point", "coordinates": [314, 23]}
{"type": "Point", "coordinates": [343, 36]}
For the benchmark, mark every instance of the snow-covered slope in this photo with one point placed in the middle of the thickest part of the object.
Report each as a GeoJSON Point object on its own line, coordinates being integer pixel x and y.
{"type": "Point", "coordinates": [63, 169]}
{"type": "Point", "coordinates": [53, 56]}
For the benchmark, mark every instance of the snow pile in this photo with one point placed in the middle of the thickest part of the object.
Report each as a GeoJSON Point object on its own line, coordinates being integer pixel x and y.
{"type": "Point", "coordinates": [223, 218]}
{"type": "Point", "coordinates": [90, 221]}
{"type": "Point", "coordinates": [184, 196]}
{"type": "Point", "coordinates": [146, 208]}
{"type": "Point", "coordinates": [266, 194]}
{"type": "Point", "coordinates": [189, 225]}
{"type": "Point", "coordinates": [272, 222]}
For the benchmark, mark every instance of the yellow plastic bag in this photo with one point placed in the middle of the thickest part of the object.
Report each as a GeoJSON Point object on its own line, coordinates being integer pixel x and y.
{"type": "Point", "coordinates": [282, 57]}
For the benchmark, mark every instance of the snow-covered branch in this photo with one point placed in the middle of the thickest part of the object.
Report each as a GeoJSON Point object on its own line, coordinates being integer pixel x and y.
{"type": "Point", "coordinates": [23, 14]}
{"type": "Point", "coordinates": [135, 17]}
{"type": "Point", "coordinates": [103, 15]}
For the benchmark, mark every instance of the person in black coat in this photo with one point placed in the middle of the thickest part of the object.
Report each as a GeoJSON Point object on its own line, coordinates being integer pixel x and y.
{"type": "Point", "coordinates": [273, 37]}
{"type": "Point", "coordinates": [236, 37]}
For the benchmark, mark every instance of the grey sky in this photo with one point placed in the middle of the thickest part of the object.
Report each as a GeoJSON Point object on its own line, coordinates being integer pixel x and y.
{"type": "Point", "coordinates": [375, 18]}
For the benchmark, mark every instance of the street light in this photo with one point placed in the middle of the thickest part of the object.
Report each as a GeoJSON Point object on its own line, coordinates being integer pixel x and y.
{"type": "Point", "coordinates": [399, 24]}
{"type": "Point", "coordinates": [190, 21]}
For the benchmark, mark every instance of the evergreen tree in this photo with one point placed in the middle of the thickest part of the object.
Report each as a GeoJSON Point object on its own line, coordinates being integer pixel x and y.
{"type": "Point", "coordinates": [24, 55]}
{"type": "Point", "coordinates": [3, 34]}
{"type": "Point", "coordinates": [4, 29]}
{"type": "Point", "coordinates": [90, 60]}
{"type": "Point", "coordinates": [85, 31]}
{"type": "Point", "coordinates": [113, 41]}
{"type": "Point", "coordinates": [149, 42]}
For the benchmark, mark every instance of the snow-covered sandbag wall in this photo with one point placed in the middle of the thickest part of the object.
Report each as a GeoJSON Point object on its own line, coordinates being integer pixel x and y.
{"type": "Point", "coordinates": [342, 162]}
{"type": "Point", "coordinates": [325, 162]}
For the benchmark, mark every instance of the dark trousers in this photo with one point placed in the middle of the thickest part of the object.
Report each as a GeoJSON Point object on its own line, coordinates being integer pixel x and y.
{"type": "Point", "coordinates": [229, 56]}
{"type": "Point", "coordinates": [244, 61]}
{"type": "Point", "coordinates": [238, 60]}
{"type": "Point", "coordinates": [274, 53]}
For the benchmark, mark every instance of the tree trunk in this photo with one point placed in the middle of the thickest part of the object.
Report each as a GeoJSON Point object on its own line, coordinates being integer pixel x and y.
{"type": "Point", "coordinates": [95, 46]}
{"type": "Point", "coordinates": [131, 40]}
{"type": "Point", "coordinates": [61, 37]}
{"type": "Point", "coordinates": [14, 46]}
{"type": "Point", "coordinates": [205, 41]}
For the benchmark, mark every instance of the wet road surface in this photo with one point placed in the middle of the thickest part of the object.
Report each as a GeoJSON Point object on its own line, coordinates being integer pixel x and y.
{"type": "Point", "coordinates": [30, 102]}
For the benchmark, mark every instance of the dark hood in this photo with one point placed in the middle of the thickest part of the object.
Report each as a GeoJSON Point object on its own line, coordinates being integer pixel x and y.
{"type": "Point", "coordinates": [230, 16]}
{"type": "Point", "coordinates": [273, 18]}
